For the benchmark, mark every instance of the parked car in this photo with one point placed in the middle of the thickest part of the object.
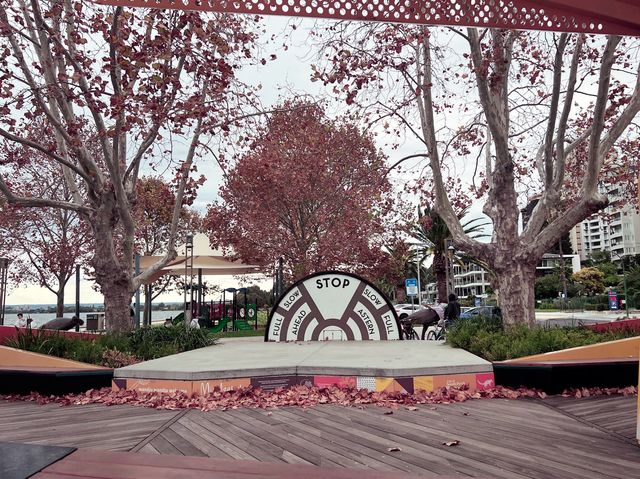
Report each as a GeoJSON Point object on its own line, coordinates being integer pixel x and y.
{"type": "Point", "coordinates": [486, 311]}
{"type": "Point", "coordinates": [404, 310]}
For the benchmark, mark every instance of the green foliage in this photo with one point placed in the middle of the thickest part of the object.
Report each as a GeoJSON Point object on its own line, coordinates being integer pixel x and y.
{"type": "Point", "coordinates": [240, 334]}
{"type": "Point", "coordinates": [259, 296]}
{"type": "Point", "coordinates": [591, 280]}
{"type": "Point", "coordinates": [486, 338]}
{"type": "Point", "coordinates": [548, 286]}
{"type": "Point", "coordinates": [599, 302]}
{"type": "Point", "coordinates": [633, 285]}
{"type": "Point", "coordinates": [113, 349]}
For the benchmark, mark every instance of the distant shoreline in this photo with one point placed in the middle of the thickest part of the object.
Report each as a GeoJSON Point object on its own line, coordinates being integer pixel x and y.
{"type": "Point", "coordinates": [39, 318]}
{"type": "Point", "coordinates": [84, 308]}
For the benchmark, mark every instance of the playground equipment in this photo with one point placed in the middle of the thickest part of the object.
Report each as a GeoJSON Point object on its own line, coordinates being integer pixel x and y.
{"type": "Point", "coordinates": [229, 313]}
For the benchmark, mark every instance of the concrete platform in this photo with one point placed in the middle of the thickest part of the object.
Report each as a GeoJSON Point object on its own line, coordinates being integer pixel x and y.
{"type": "Point", "coordinates": [375, 365]}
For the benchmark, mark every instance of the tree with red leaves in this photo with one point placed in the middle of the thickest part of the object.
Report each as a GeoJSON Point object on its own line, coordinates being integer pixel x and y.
{"type": "Point", "coordinates": [311, 190]}
{"type": "Point", "coordinates": [153, 213]}
{"type": "Point", "coordinates": [529, 113]}
{"type": "Point", "coordinates": [100, 92]}
{"type": "Point", "coordinates": [44, 244]}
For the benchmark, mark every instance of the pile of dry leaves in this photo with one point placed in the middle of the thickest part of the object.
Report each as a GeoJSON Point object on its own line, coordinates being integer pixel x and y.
{"type": "Point", "coordinates": [301, 396]}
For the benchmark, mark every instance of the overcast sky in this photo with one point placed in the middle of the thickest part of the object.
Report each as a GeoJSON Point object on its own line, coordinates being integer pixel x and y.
{"type": "Point", "coordinates": [285, 77]}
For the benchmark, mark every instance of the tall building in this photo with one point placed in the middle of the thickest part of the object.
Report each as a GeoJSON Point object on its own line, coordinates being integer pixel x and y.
{"type": "Point", "coordinates": [617, 230]}
{"type": "Point", "coordinates": [471, 280]}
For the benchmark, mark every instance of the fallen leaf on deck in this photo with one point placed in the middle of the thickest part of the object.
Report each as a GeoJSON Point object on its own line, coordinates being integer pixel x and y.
{"type": "Point", "coordinates": [451, 443]}
{"type": "Point", "coordinates": [411, 408]}
{"type": "Point", "coordinates": [387, 413]}
{"type": "Point", "coordinates": [394, 449]}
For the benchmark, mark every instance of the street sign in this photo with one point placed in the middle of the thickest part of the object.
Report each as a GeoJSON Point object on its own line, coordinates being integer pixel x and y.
{"type": "Point", "coordinates": [411, 284]}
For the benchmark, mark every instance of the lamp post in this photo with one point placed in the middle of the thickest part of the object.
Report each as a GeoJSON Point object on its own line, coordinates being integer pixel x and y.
{"type": "Point", "coordinates": [420, 257]}
{"type": "Point", "coordinates": [188, 271]}
{"type": "Point", "coordinates": [449, 250]}
{"type": "Point", "coordinates": [418, 263]}
{"type": "Point", "coordinates": [4, 269]}
{"type": "Point", "coordinates": [624, 281]}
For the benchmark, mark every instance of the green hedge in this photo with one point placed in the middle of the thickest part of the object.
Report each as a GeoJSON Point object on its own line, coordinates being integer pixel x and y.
{"type": "Point", "coordinates": [113, 349]}
{"type": "Point", "coordinates": [488, 339]}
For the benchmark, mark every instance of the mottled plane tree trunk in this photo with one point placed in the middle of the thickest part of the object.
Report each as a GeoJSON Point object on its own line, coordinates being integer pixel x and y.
{"type": "Point", "coordinates": [542, 109]}
{"type": "Point", "coordinates": [98, 91]}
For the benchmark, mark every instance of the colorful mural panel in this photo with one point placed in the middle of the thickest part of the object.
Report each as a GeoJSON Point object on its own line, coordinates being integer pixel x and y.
{"type": "Point", "coordinates": [160, 386]}
{"type": "Point", "coordinates": [340, 381]}
{"type": "Point", "coordinates": [202, 388]}
{"type": "Point", "coordinates": [402, 385]}
{"type": "Point", "coordinates": [269, 383]}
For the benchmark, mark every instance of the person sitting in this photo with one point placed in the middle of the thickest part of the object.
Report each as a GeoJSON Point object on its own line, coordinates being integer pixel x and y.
{"type": "Point", "coordinates": [63, 324]}
{"type": "Point", "coordinates": [23, 322]}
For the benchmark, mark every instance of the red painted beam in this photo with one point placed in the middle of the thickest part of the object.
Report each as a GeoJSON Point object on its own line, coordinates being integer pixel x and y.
{"type": "Point", "coordinates": [588, 16]}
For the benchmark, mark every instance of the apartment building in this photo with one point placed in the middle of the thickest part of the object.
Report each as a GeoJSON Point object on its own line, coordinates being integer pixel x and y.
{"type": "Point", "coordinates": [616, 230]}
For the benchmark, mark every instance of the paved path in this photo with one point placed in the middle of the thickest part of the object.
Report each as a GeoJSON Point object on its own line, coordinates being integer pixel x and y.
{"type": "Point", "coordinates": [499, 438]}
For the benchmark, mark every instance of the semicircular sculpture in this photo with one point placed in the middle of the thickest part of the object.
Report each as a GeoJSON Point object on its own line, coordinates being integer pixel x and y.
{"type": "Point", "coordinates": [332, 305]}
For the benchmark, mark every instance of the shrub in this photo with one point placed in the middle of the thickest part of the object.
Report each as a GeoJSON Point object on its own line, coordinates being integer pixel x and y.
{"type": "Point", "coordinates": [483, 337]}
{"type": "Point", "coordinates": [156, 342]}
{"type": "Point", "coordinates": [113, 349]}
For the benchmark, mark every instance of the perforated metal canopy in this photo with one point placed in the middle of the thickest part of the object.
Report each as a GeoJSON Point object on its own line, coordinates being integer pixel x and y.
{"type": "Point", "coordinates": [589, 16]}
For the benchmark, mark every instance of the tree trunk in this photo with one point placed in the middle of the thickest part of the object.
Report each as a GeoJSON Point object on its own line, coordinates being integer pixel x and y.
{"type": "Point", "coordinates": [440, 272]}
{"type": "Point", "coordinates": [60, 302]}
{"type": "Point", "coordinates": [516, 292]}
{"type": "Point", "coordinates": [117, 300]}
{"type": "Point", "coordinates": [400, 293]}
{"type": "Point", "coordinates": [113, 277]}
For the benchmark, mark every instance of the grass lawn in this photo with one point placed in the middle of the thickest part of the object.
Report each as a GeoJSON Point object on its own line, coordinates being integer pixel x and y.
{"type": "Point", "coordinates": [240, 334]}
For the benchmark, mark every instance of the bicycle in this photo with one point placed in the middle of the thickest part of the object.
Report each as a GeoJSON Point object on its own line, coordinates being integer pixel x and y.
{"type": "Point", "coordinates": [407, 330]}
{"type": "Point", "coordinates": [439, 331]}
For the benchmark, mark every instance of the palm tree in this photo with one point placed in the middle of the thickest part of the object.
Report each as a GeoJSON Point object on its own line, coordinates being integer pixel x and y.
{"type": "Point", "coordinates": [397, 264]}
{"type": "Point", "coordinates": [432, 232]}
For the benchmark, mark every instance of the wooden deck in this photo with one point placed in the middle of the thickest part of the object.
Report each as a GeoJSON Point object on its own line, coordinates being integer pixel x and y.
{"type": "Point", "coordinates": [556, 438]}
{"type": "Point", "coordinates": [610, 413]}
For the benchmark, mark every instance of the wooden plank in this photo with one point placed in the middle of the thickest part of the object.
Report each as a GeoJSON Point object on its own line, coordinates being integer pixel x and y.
{"type": "Point", "coordinates": [515, 458]}
{"type": "Point", "coordinates": [536, 445]}
{"type": "Point", "coordinates": [226, 434]}
{"type": "Point", "coordinates": [616, 414]}
{"type": "Point", "coordinates": [211, 441]}
{"type": "Point", "coordinates": [333, 444]}
{"type": "Point", "coordinates": [206, 448]}
{"type": "Point", "coordinates": [425, 447]}
{"type": "Point", "coordinates": [130, 465]}
{"type": "Point", "coordinates": [235, 433]}
{"type": "Point", "coordinates": [372, 456]}
{"type": "Point", "coordinates": [334, 454]}
{"type": "Point", "coordinates": [181, 444]}
{"type": "Point", "coordinates": [418, 460]}
{"type": "Point", "coordinates": [163, 446]}
{"type": "Point", "coordinates": [149, 449]}
{"type": "Point", "coordinates": [277, 436]}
